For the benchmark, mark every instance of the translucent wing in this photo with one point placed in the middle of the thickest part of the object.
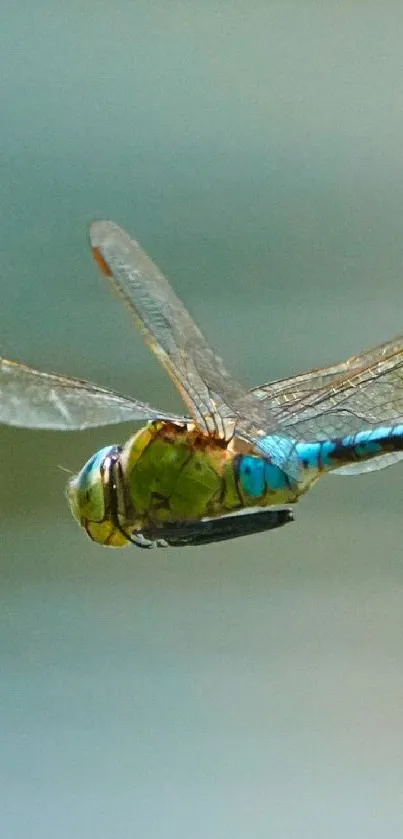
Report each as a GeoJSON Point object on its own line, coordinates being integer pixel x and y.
{"type": "Point", "coordinates": [287, 393]}
{"type": "Point", "coordinates": [363, 391]}
{"type": "Point", "coordinates": [32, 399]}
{"type": "Point", "coordinates": [210, 393]}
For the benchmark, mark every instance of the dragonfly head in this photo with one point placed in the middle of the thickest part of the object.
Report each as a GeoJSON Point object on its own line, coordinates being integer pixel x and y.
{"type": "Point", "coordinates": [93, 497]}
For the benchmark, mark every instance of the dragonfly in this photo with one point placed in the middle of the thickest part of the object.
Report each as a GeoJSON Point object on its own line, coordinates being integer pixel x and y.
{"type": "Point", "coordinates": [235, 461]}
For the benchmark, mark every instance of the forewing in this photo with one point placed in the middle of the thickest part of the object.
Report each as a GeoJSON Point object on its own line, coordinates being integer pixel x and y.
{"type": "Point", "coordinates": [363, 391]}
{"type": "Point", "coordinates": [210, 393]}
{"type": "Point", "coordinates": [32, 399]}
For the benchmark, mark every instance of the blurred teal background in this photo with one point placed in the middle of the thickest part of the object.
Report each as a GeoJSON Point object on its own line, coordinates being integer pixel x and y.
{"type": "Point", "coordinates": [254, 689]}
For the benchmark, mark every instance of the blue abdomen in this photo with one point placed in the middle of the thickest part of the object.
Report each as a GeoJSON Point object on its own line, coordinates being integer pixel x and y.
{"type": "Point", "coordinates": [263, 481]}
{"type": "Point", "coordinates": [365, 445]}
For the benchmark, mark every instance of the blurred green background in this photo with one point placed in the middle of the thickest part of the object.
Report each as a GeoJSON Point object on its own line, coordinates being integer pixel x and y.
{"type": "Point", "coordinates": [254, 689]}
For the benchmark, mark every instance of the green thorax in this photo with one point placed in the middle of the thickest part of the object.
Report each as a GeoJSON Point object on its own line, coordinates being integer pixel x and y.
{"type": "Point", "coordinates": [173, 473]}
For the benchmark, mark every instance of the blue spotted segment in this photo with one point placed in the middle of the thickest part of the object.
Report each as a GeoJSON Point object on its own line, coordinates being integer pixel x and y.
{"type": "Point", "coordinates": [257, 477]}
{"type": "Point", "coordinates": [352, 449]}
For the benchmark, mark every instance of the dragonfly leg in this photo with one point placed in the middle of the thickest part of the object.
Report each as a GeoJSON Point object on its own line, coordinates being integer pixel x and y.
{"type": "Point", "coordinates": [221, 529]}
{"type": "Point", "coordinates": [140, 541]}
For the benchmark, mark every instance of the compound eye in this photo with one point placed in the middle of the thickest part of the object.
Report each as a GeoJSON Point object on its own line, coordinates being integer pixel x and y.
{"type": "Point", "coordinates": [86, 491]}
{"type": "Point", "coordinates": [88, 494]}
